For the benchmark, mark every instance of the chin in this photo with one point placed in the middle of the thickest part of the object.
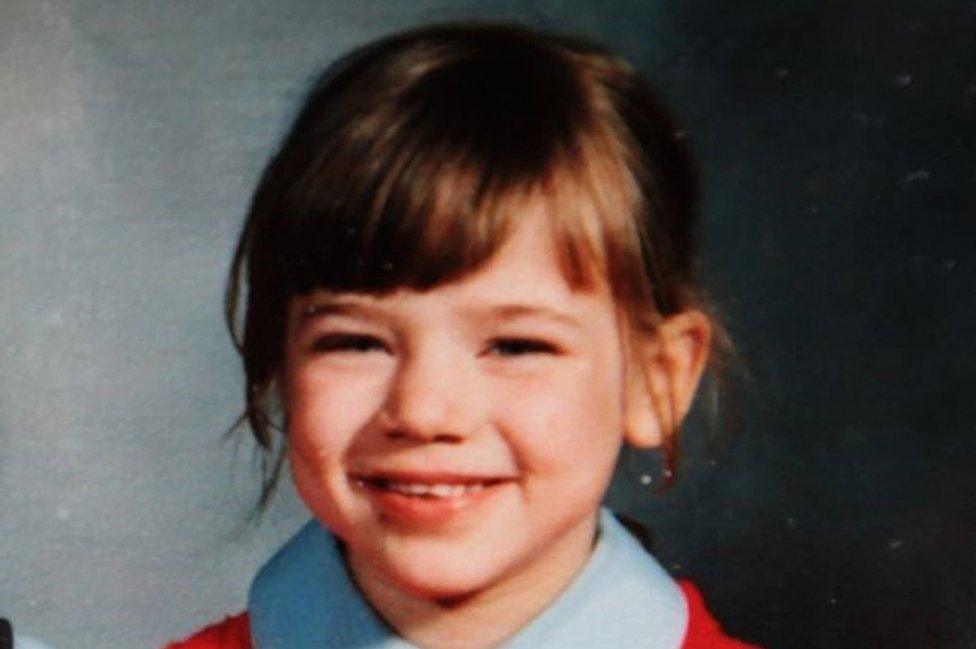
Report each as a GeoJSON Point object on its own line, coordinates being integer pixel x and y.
{"type": "Point", "coordinates": [441, 577]}
{"type": "Point", "coordinates": [442, 591]}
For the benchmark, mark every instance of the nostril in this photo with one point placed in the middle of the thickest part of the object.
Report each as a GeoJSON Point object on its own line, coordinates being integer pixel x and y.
{"type": "Point", "coordinates": [399, 434]}
{"type": "Point", "coordinates": [447, 438]}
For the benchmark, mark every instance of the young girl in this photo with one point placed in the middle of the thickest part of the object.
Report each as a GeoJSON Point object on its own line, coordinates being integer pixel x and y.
{"type": "Point", "coordinates": [470, 280]}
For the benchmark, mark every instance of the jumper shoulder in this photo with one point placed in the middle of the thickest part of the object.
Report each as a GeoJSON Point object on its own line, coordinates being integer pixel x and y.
{"type": "Point", "coordinates": [704, 631]}
{"type": "Point", "coordinates": [232, 633]}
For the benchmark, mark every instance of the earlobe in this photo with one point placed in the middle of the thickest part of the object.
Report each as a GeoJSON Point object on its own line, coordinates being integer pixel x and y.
{"type": "Point", "coordinates": [663, 374]}
{"type": "Point", "coordinates": [642, 425]}
{"type": "Point", "coordinates": [642, 420]}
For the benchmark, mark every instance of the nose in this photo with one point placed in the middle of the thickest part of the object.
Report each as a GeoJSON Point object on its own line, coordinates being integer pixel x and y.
{"type": "Point", "coordinates": [432, 397]}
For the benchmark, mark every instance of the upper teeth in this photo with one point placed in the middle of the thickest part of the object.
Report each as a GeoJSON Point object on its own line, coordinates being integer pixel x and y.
{"type": "Point", "coordinates": [437, 490]}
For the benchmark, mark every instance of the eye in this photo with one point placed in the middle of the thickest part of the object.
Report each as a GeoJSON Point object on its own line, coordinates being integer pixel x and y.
{"type": "Point", "coordinates": [347, 343]}
{"type": "Point", "coordinates": [521, 347]}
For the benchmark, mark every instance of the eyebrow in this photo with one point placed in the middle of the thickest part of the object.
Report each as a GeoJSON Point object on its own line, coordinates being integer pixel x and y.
{"type": "Point", "coordinates": [497, 311]}
{"type": "Point", "coordinates": [518, 310]}
{"type": "Point", "coordinates": [337, 307]}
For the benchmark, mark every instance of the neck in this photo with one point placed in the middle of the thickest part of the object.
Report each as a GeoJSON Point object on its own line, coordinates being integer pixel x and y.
{"type": "Point", "coordinates": [486, 617]}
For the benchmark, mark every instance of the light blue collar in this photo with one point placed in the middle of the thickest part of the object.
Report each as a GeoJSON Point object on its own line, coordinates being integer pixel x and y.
{"type": "Point", "coordinates": [304, 598]}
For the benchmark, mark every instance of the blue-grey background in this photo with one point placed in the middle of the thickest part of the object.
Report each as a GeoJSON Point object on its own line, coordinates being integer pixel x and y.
{"type": "Point", "coordinates": [837, 142]}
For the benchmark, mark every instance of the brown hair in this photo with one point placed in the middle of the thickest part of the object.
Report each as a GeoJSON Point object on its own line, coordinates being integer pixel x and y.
{"type": "Point", "coordinates": [407, 164]}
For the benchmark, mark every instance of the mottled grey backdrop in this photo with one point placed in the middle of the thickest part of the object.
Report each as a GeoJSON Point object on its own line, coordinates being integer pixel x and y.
{"type": "Point", "coordinates": [837, 140]}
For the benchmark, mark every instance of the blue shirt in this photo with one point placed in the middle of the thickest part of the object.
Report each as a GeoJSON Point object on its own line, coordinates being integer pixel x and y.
{"type": "Point", "coordinates": [304, 598]}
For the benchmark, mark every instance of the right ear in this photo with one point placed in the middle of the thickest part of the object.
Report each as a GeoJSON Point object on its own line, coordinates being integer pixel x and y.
{"type": "Point", "coordinates": [642, 426]}
{"type": "Point", "coordinates": [663, 372]}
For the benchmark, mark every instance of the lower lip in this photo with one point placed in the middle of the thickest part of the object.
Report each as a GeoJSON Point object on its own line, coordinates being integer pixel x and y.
{"type": "Point", "coordinates": [421, 511]}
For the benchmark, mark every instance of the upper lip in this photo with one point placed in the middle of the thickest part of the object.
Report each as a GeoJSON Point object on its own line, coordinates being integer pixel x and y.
{"type": "Point", "coordinates": [429, 477]}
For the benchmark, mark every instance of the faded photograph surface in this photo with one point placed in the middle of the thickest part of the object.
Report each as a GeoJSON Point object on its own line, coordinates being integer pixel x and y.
{"type": "Point", "coordinates": [818, 497]}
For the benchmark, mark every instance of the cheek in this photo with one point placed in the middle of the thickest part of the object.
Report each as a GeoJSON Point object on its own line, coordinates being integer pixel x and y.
{"type": "Point", "coordinates": [326, 414]}
{"type": "Point", "coordinates": [326, 410]}
{"type": "Point", "coordinates": [566, 424]}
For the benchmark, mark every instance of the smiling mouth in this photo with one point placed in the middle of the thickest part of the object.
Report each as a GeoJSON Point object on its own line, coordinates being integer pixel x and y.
{"type": "Point", "coordinates": [439, 489]}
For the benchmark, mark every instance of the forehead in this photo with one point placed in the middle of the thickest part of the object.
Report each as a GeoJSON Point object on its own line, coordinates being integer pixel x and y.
{"type": "Point", "coordinates": [525, 276]}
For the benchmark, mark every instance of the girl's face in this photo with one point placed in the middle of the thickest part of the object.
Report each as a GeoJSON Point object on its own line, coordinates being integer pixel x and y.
{"type": "Point", "coordinates": [460, 438]}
